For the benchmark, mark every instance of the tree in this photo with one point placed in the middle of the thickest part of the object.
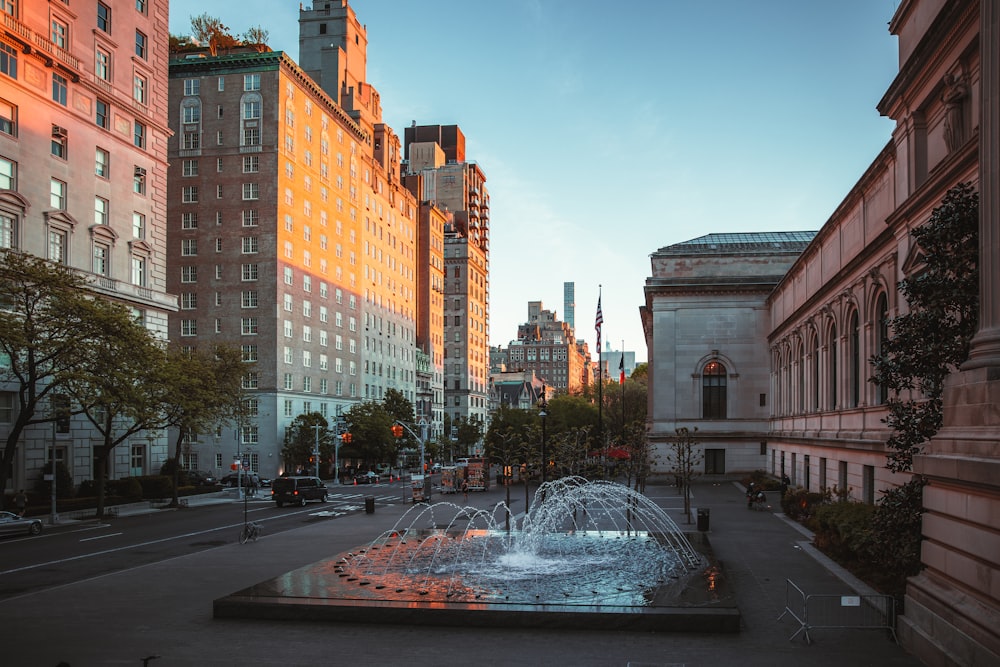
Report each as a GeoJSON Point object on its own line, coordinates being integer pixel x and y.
{"type": "Point", "coordinates": [257, 37]}
{"type": "Point", "coordinates": [121, 385]}
{"type": "Point", "coordinates": [48, 327]}
{"type": "Point", "coordinates": [370, 425]}
{"type": "Point", "coordinates": [684, 457]}
{"type": "Point", "coordinates": [201, 390]}
{"type": "Point", "coordinates": [212, 31]}
{"type": "Point", "coordinates": [301, 438]}
{"type": "Point", "coordinates": [932, 339]}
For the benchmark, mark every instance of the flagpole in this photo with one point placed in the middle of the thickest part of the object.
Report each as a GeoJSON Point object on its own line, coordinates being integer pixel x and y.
{"type": "Point", "coordinates": [600, 372]}
{"type": "Point", "coordinates": [621, 380]}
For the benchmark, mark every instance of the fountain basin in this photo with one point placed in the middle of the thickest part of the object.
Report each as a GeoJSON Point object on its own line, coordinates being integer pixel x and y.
{"type": "Point", "coordinates": [339, 590]}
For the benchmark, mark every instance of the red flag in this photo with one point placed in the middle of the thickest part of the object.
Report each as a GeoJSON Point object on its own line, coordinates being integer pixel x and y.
{"type": "Point", "coordinates": [621, 370]}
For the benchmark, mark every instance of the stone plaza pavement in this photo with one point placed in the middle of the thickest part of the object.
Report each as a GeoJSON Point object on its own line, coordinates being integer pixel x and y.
{"type": "Point", "coordinates": [165, 609]}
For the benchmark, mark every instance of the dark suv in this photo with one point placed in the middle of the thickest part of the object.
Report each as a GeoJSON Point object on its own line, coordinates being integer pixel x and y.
{"type": "Point", "coordinates": [297, 490]}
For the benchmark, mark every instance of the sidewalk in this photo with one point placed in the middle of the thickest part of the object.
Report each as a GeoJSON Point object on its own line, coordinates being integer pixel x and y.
{"type": "Point", "coordinates": [166, 609]}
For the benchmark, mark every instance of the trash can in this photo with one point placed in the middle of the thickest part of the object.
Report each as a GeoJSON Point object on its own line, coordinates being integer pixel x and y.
{"type": "Point", "coordinates": [703, 518]}
{"type": "Point", "coordinates": [369, 504]}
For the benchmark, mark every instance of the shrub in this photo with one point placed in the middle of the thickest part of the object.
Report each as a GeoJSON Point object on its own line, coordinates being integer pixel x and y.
{"type": "Point", "coordinates": [64, 482]}
{"type": "Point", "coordinates": [762, 480]}
{"type": "Point", "coordinates": [156, 486]}
{"type": "Point", "coordinates": [800, 505]}
{"type": "Point", "coordinates": [843, 529]}
{"type": "Point", "coordinates": [129, 488]}
{"type": "Point", "coordinates": [896, 528]}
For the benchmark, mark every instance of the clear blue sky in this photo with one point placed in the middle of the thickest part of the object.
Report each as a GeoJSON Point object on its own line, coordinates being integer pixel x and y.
{"type": "Point", "coordinates": [608, 130]}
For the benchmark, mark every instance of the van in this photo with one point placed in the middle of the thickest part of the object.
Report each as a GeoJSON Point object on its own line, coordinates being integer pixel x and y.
{"type": "Point", "coordinates": [462, 462]}
{"type": "Point", "coordinates": [297, 490]}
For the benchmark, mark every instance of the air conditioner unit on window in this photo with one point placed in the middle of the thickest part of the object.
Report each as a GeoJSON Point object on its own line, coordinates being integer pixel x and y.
{"type": "Point", "coordinates": [59, 132]}
{"type": "Point", "coordinates": [140, 172]}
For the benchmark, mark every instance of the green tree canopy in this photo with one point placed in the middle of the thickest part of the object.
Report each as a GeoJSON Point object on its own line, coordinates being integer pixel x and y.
{"type": "Point", "coordinates": [301, 438]}
{"type": "Point", "coordinates": [932, 339]}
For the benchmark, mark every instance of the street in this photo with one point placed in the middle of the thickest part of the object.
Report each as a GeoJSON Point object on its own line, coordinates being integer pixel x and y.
{"type": "Point", "coordinates": [81, 550]}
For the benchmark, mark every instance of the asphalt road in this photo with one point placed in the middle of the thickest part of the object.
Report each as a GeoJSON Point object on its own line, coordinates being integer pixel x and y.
{"type": "Point", "coordinates": [84, 550]}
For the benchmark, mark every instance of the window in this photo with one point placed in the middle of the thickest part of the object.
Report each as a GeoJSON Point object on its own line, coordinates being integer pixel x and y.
{"type": "Point", "coordinates": [191, 112]}
{"type": "Point", "coordinates": [8, 231]}
{"type": "Point", "coordinates": [59, 142]}
{"type": "Point", "coordinates": [248, 326]}
{"type": "Point", "coordinates": [189, 274]}
{"type": "Point", "coordinates": [8, 60]}
{"type": "Point", "coordinates": [249, 272]}
{"type": "Point", "coordinates": [251, 108]}
{"type": "Point", "coordinates": [189, 327]}
{"type": "Point", "coordinates": [249, 299]}
{"type": "Point", "coordinates": [289, 357]}
{"type": "Point", "coordinates": [101, 252]}
{"type": "Point", "coordinates": [251, 136]}
{"type": "Point", "coordinates": [140, 6]}
{"type": "Point", "coordinates": [192, 87]}
{"type": "Point", "coordinates": [287, 300]}
{"type": "Point", "coordinates": [140, 44]}
{"type": "Point", "coordinates": [139, 135]}
{"type": "Point", "coordinates": [189, 194]}
{"type": "Point", "coordinates": [8, 113]}
{"type": "Point", "coordinates": [189, 247]}
{"type": "Point", "coordinates": [881, 336]}
{"type": "Point", "coordinates": [251, 191]}
{"type": "Point", "coordinates": [102, 114]}
{"type": "Point", "coordinates": [713, 382]}
{"type": "Point", "coordinates": [832, 397]}
{"type": "Point", "coordinates": [100, 211]}
{"type": "Point", "coordinates": [139, 181]}
{"type": "Point", "coordinates": [59, 87]}
{"type": "Point", "coordinates": [102, 64]}
{"type": "Point", "coordinates": [250, 218]}
{"type": "Point", "coordinates": [249, 353]}
{"type": "Point", "coordinates": [8, 175]}
{"type": "Point", "coordinates": [251, 164]}
{"type": "Point", "coordinates": [190, 168]}
{"type": "Point", "coordinates": [57, 246]}
{"type": "Point", "coordinates": [139, 86]}
{"type": "Point", "coordinates": [57, 195]}
{"type": "Point", "coordinates": [103, 17]}
{"type": "Point", "coordinates": [138, 225]}
{"type": "Point", "coordinates": [139, 271]}
{"type": "Point", "coordinates": [189, 300]}
{"type": "Point", "coordinates": [250, 245]}
{"type": "Point", "coordinates": [251, 82]}
{"type": "Point", "coordinates": [855, 353]}
{"type": "Point", "coordinates": [59, 32]}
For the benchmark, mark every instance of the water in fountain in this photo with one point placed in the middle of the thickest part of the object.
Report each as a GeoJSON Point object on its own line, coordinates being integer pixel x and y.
{"type": "Point", "coordinates": [581, 543]}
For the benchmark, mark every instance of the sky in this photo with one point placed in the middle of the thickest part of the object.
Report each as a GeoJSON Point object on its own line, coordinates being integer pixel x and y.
{"type": "Point", "coordinates": [608, 130]}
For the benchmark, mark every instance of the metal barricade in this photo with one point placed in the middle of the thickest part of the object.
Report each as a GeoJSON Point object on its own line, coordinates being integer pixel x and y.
{"type": "Point", "coordinates": [842, 612]}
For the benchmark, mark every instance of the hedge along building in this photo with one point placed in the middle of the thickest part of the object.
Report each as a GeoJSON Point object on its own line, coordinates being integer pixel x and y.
{"type": "Point", "coordinates": [826, 316]}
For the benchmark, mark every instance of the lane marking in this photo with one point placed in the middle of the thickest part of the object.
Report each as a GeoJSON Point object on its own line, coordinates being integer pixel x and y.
{"type": "Point", "coordinates": [99, 537]}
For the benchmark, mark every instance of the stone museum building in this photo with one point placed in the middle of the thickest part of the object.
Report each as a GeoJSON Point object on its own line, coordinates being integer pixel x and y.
{"type": "Point", "coordinates": [762, 341]}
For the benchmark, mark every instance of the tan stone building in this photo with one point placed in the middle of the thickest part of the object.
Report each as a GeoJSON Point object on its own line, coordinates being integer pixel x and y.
{"type": "Point", "coordinates": [83, 167]}
{"type": "Point", "coordinates": [291, 234]}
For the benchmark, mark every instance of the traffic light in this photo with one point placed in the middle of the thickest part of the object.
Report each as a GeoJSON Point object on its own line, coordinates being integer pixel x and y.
{"type": "Point", "coordinates": [397, 430]}
{"type": "Point", "coordinates": [346, 438]}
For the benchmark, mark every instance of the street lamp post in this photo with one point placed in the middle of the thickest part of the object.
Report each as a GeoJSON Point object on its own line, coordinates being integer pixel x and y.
{"type": "Point", "coordinates": [316, 428]}
{"type": "Point", "coordinates": [421, 438]}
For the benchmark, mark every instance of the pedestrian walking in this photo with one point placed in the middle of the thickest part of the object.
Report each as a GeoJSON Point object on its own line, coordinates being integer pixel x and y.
{"type": "Point", "coordinates": [21, 502]}
{"type": "Point", "coordinates": [465, 490]}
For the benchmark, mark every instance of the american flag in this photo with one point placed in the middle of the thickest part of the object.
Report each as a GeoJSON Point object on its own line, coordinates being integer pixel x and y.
{"type": "Point", "coordinates": [598, 321]}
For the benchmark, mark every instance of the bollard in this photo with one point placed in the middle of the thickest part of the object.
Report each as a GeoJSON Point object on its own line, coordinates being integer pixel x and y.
{"type": "Point", "coordinates": [369, 504]}
{"type": "Point", "coordinates": [703, 518]}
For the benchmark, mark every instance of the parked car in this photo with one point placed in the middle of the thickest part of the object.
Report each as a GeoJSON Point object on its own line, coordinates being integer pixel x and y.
{"type": "Point", "coordinates": [297, 490]}
{"type": "Point", "coordinates": [12, 524]}
{"type": "Point", "coordinates": [366, 477]}
{"type": "Point", "coordinates": [199, 478]}
{"type": "Point", "coordinates": [436, 467]}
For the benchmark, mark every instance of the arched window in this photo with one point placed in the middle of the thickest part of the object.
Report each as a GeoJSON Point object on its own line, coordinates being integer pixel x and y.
{"type": "Point", "coordinates": [832, 398]}
{"type": "Point", "coordinates": [815, 378]}
{"type": "Point", "coordinates": [713, 397]}
{"type": "Point", "coordinates": [855, 370]}
{"type": "Point", "coordinates": [881, 336]}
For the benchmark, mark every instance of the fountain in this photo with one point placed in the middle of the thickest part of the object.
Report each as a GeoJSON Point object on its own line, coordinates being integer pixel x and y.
{"type": "Point", "coordinates": [588, 553]}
